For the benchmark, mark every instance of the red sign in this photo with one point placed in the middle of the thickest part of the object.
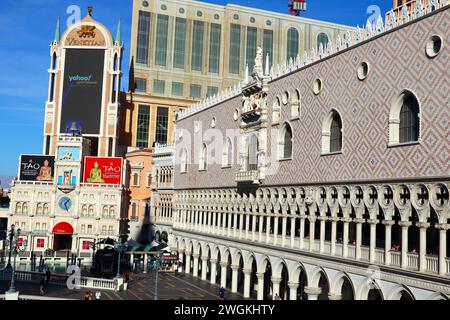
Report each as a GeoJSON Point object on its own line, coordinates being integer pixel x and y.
{"type": "Point", "coordinates": [63, 228]}
{"type": "Point", "coordinates": [103, 170]}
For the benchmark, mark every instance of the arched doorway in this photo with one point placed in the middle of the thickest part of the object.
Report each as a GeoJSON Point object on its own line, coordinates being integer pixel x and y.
{"type": "Point", "coordinates": [347, 290]}
{"type": "Point", "coordinates": [303, 282]}
{"type": "Point", "coordinates": [284, 288]}
{"type": "Point", "coordinates": [240, 274]}
{"type": "Point", "coordinates": [324, 286]}
{"type": "Point", "coordinates": [268, 282]}
{"type": "Point", "coordinates": [374, 294]}
{"type": "Point", "coordinates": [62, 232]}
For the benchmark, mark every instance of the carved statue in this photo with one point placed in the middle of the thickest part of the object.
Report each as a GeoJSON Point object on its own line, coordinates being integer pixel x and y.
{"type": "Point", "coordinates": [258, 69]}
{"type": "Point", "coordinates": [255, 101]}
{"type": "Point", "coordinates": [86, 32]}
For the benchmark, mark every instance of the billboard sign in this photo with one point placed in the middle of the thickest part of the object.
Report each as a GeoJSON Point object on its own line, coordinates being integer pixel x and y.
{"type": "Point", "coordinates": [69, 154]}
{"type": "Point", "coordinates": [36, 168]}
{"type": "Point", "coordinates": [83, 91]}
{"type": "Point", "coordinates": [103, 170]}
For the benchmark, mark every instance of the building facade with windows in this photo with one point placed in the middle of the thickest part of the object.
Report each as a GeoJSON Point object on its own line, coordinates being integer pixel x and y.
{"type": "Point", "coordinates": [74, 193]}
{"type": "Point", "coordinates": [329, 178]}
{"type": "Point", "coordinates": [184, 51]}
{"type": "Point", "coordinates": [161, 217]}
{"type": "Point", "coordinates": [140, 193]}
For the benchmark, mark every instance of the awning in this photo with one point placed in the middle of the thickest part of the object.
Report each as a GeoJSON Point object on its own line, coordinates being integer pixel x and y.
{"type": "Point", "coordinates": [63, 228]}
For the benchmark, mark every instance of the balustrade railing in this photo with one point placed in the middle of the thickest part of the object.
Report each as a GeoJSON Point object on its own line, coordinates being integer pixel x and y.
{"type": "Point", "coordinates": [365, 253]}
{"type": "Point", "coordinates": [396, 258]}
{"type": "Point", "coordinates": [432, 263]}
{"type": "Point", "coordinates": [379, 256]}
{"type": "Point", "coordinates": [413, 261]}
{"type": "Point", "coordinates": [60, 279]}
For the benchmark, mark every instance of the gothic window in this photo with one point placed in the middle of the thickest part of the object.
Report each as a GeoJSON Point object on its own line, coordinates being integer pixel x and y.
{"type": "Point", "coordinates": [253, 153]}
{"type": "Point", "coordinates": [285, 142]}
{"type": "Point", "coordinates": [404, 119]}
{"type": "Point", "coordinates": [203, 157]}
{"type": "Point", "coordinates": [322, 39]}
{"type": "Point", "coordinates": [409, 120]}
{"type": "Point", "coordinates": [183, 162]}
{"type": "Point", "coordinates": [332, 133]}
{"type": "Point", "coordinates": [276, 109]}
{"type": "Point", "coordinates": [228, 154]}
{"type": "Point", "coordinates": [46, 208]}
{"type": "Point", "coordinates": [295, 105]}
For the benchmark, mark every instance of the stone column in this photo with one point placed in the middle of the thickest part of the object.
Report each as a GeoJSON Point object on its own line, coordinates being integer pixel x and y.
{"type": "Point", "coordinates": [405, 225]}
{"type": "Point", "coordinates": [323, 220]}
{"type": "Point", "coordinates": [241, 225]}
{"type": "Point", "coordinates": [276, 286]}
{"type": "Point", "coordinates": [334, 296]}
{"type": "Point", "coordinates": [359, 223]}
{"type": "Point", "coordinates": [213, 227]}
{"type": "Point", "coordinates": [204, 268]}
{"type": "Point", "coordinates": [260, 231]}
{"type": "Point", "coordinates": [254, 217]}
{"type": "Point", "coordinates": [235, 225]}
{"type": "Point", "coordinates": [188, 262]}
{"type": "Point", "coordinates": [268, 229]}
{"type": "Point", "coordinates": [223, 274]}
{"type": "Point", "coordinates": [230, 217]}
{"type": "Point", "coordinates": [224, 225]}
{"type": "Point", "coordinates": [442, 248]}
{"type": "Point", "coordinates": [388, 241]}
{"type": "Point", "coordinates": [293, 286]}
{"type": "Point", "coordinates": [234, 279]}
{"type": "Point", "coordinates": [423, 226]}
{"type": "Point", "coordinates": [260, 277]}
{"type": "Point", "coordinates": [247, 225]}
{"type": "Point", "coordinates": [292, 232]}
{"type": "Point", "coordinates": [313, 293]}
{"type": "Point", "coordinates": [247, 282]}
{"type": "Point", "coordinates": [145, 262]}
{"type": "Point", "coordinates": [196, 256]}
{"type": "Point", "coordinates": [373, 240]}
{"type": "Point", "coordinates": [334, 221]}
{"type": "Point", "coordinates": [302, 231]}
{"type": "Point", "coordinates": [181, 258]}
{"type": "Point", "coordinates": [196, 220]}
{"type": "Point", "coordinates": [346, 222]}
{"type": "Point", "coordinates": [283, 231]}
{"type": "Point", "coordinates": [275, 231]}
{"type": "Point", "coordinates": [208, 223]}
{"type": "Point", "coordinates": [213, 271]}
{"type": "Point", "coordinates": [312, 231]}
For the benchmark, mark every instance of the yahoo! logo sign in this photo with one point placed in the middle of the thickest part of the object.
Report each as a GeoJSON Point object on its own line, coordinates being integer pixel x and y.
{"type": "Point", "coordinates": [80, 78]}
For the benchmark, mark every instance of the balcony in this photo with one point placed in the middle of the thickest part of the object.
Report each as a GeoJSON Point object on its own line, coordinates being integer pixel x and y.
{"type": "Point", "coordinates": [248, 177]}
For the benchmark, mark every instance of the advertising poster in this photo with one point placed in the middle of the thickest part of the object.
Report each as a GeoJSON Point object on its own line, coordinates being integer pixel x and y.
{"type": "Point", "coordinates": [36, 168]}
{"type": "Point", "coordinates": [82, 92]}
{"type": "Point", "coordinates": [69, 154]}
{"type": "Point", "coordinates": [103, 170]}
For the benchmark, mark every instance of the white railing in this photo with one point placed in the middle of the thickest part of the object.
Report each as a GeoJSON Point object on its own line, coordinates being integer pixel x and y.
{"type": "Point", "coordinates": [343, 41]}
{"type": "Point", "coordinates": [243, 176]}
{"type": "Point", "coordinates": [94, 185]}
{"type": "Point", "coordinates": [447, 262]}
{"type": "Point", "coordinates": [60, 279]}
{"type": "Point", "coordinates": [352, 251]}
{"type": "Point", "coordinates": [432, 263]}
{"type": "Point", "coordinates": [379, 256]}
{"type": "Point", "coordinates": [413, 261]}
{"type": "Point", "coordinates": [396, 258]}
{"type": "Point", "coordinates": [365, 253]}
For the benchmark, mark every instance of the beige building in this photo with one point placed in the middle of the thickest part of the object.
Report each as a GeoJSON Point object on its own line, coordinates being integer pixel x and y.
{"type": "Point", "coordinates": [184, 51]}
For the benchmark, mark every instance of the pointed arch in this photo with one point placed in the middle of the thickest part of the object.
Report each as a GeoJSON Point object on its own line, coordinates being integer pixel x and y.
{"type": "Point", "coordinates": [285, 141]}
{"type": "Point", "coordinates": [332, 133]}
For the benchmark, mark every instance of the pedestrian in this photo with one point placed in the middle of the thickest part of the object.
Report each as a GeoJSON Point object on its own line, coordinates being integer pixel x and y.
{"type": "Point", "coordinates": [98, 295]}
{"type": "Point", "coordinates": [127, 276]}
{"type": "Point", "coordinates": [90, 295]}
{"type": "Point", "coordinates": [277, 297]}
{"type": "Point", "coordinates": [86, 296]}
{"type": "Point", "coordinates": [222, 293]}
{"type": "Point", "coordinates": [48, 275]}
{"type": "Point", "coordinates": [41, 287]}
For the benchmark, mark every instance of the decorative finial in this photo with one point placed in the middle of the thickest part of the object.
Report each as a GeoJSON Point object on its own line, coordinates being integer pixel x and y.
{"type": "Point", "coordinates": [90, 8]}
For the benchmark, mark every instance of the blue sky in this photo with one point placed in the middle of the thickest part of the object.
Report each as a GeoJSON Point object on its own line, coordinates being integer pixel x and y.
{"type": "Point", "coordinates": [27, 28]}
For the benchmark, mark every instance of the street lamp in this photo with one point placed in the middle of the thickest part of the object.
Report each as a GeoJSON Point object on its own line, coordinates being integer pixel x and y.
{"type": "Point", "coordinates": [119, 246]}
{"type": "Point", "coordinates": [14, 248]}
{"type": "Point", "coordinates": [157, 266]}
{"type": "Point", "coordinates": [11, 237]}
